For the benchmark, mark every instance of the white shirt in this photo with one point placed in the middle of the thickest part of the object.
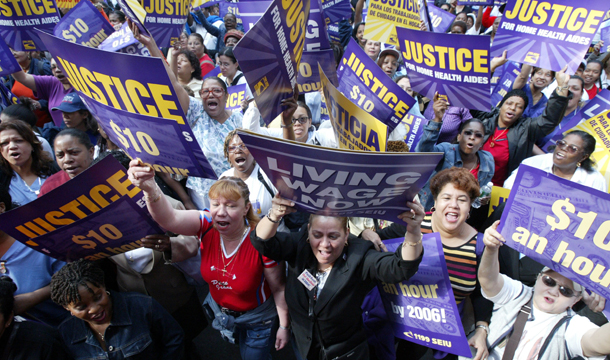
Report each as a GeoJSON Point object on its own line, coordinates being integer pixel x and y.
{"type": "Point", "coordinates": [538, 327]}
{"type": "Point", "coordinates": [544, 162]}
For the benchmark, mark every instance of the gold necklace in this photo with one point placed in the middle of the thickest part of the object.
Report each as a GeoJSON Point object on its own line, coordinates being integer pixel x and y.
{"type": "Point", "coordinates": [222, 257]}
{"type": "Point", "coordinates": [492, 142]}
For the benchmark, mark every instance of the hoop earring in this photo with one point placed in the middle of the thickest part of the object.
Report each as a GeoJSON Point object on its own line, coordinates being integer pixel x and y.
{"type": "Point", "coordinates": [432, 209]}
{"type": "Point", "coordinates": [307, 240]}
{"type": "Point", "coordinates": [468, 216]}
{"type": "Point", "coordinates": [108, 292]}
{"type": "Point", "coordinates": [246, 221]}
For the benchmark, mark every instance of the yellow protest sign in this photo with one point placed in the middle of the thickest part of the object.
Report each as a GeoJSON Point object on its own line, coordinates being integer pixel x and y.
{"type": "Point", "coordinates": [66, 4]}
{"type": "Point", "coordinates": [498, 196]}
{"type": "Point", "coordinates": [354, 127]}
{"type": "Point", "coordinates": [384, 16]}
{"type": "Point", "coordinates": [599, 127]}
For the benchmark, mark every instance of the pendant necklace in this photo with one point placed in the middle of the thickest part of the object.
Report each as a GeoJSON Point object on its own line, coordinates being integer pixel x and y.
{"type": "Point", "coordinates": [222, 258]}
{"type": "Point", "coordinates": [492, 143]}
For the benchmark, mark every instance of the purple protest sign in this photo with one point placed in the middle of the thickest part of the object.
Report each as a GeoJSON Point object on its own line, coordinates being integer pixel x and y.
{"type": "Point", "coordinates": [251, 11]}
{"type": "Point", "coordinates": [415, 129]}
{"type": "Point", "coordinates": [534, 34]}
{"type": "Point", "coordinates": [214, 72]}
{"type": "Point", "coordinates": [605, 37]}
{"type": "Point", "coordinates": [562, 225]}
{"type": "Point", "coordinates": [423, 309]}
{"type": "Point", "coordinates": [135, 12]}
{"type": "Point", "coordinates": [91, 191]}
{"type": "Point", "coordinates": [165, 145]}
{"type": "Point", "coordinates": [333, 33]}
{"type": "Point", "coordinates": [165, 19]}
{"type": "Point", "coordinates": [366, 85]}
{"type": "Point", "coordinates": [84, 25]}
{"type": "Point", "coordinates": [19, 18]}
{"type": "Point", "coordinates": [455, 66]}
{"type": "Point", "coordinates": [119, 39]}
{"type": "Point", "coordinates": [8, 63]}
{"type": "Point", "coordinates": [339, 182]}
{"type": "Point", "coordinates": [309, 75]}
{"type": "Point", "coordinates": [476, 2]}
{"type": "Point", "coordinates": [599, 104]}
{"type": "Point", "coordinates": [505, 84]}
{"type": "Point", "coordinates": [336, 10]}
{"type": "Point", "coordinates": [441, 19]}
{"type": "Point", "coordinates": [136, 84]}
{"type": "Point", "coordinates": [270, 52]}
{"type": "Point", "coordinates": [236, 95]}
{"type": "Point", "coordinates": [7, 98]}
{"type": "Point", "coordinates": [316, 37]}
{"type": "Point", "coordinates": [113, 230]}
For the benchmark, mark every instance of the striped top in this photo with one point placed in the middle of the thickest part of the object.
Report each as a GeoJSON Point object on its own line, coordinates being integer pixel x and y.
{"type": "Point", "coordinates": [461, 263]}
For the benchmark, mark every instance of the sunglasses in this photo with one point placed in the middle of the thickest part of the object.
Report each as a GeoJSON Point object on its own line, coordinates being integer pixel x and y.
{"type": "Point", "coordinates": [470, 132]}
{"type": "Point", "coordinates": [565, 291]}
{"type": "Point", "coordinates": [572, 149]}
{"type": "Point", "coordinates": [301, 120]}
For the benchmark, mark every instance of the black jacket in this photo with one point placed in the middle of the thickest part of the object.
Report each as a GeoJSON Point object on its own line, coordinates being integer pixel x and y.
{"type": "Point", "coordinates": [336, 316]}
{"type": "Point", "coordinates": [523, 134]}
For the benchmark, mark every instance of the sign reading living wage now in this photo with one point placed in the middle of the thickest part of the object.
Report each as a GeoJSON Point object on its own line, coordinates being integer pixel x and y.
{"type": "Point", "coordinates": [95, 192]}
{"type": "Point", "coordinates": [385, 16]}
{"type": "Point", "coordinates": [599, 127]}
{"type": "Point", "coordinates": [132, 83]}
{"type": "Point", "coordinates": [354, 128]}
{"type": "Point", "coordinates": [165, 145]}
{"type": "Point", "coordinates": [423, 309]}
{"type": "Point", "coordinates": [366, 85]}
{"type": "Point", "coordinates": [19, 18]}
{"type": "Point", "coordinates": [548, 34]}
{"type": "Point", "coordinates": [562, 225]}
{"type": "Point", "coordinates": [84, 25]}
{"type": "Point", "coordinates": [270, 53]}
{"type": "Point", "coordinates": [340, 182]}
{"type": "Point", "coordinates": [456, 66]}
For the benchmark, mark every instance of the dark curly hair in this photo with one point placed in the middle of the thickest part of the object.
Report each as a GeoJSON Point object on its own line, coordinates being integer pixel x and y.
{"type": "Point", "coordinates": [21, 112]}
{"type": "Point", "coordinates": [459, 177]}
{"type": "Point", "coordinates": [65, 282]}
{"type": "Point", "coordinates": [42, 164]}
{"type": "Point", "coordinates": [192, 58]}
{"type": "Point", "coordinates": [7, 296]}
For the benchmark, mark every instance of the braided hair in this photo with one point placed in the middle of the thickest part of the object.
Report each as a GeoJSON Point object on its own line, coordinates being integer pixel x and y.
{"type": "Point", "coordinates": [65, 282]}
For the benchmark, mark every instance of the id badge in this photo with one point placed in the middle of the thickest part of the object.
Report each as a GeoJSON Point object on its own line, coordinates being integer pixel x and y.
{"type": "Point", "coordinates": [308, 280]}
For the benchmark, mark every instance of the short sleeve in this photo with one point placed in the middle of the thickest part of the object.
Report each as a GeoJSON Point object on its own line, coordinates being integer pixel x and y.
{"type": "Point", "coordinates": [45, 86]}
{"type": "Point", "coordinates": [206, 223]}
{"type": "Point", "coordinates": [268, 263]}
{"type": "Point", "coordinates": [195, 110]}
{"type": "Point", "coordinates": [577, 328]}
{"type": "Point", "coordinates": [510, 291]}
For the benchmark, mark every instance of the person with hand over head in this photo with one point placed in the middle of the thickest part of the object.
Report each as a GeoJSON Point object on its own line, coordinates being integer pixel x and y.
{"type": "Point", "coordinates": [186, 67]}
{"type": "Point", "coordinates": [326, 317]}
{"type": "Point", "coordinates": [536, 322]}
{"type": "Point", "coordinates": [246, 289]}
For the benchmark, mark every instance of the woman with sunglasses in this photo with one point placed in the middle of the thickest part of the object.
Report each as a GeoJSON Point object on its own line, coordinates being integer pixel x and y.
{"type": "Point", "coordinates": [571, 160]}
{"type": "Point", "coordinates": [553, 330]}
{"type": "Point", "coordinates": [466, 152]}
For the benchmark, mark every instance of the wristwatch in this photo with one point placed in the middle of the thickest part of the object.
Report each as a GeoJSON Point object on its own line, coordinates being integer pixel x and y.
{"type": "Point", "coordinates": [484, 327]}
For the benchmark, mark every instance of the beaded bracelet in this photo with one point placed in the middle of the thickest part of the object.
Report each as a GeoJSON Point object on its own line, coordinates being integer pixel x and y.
{"type": "Point", "coordinates": [415, 243]}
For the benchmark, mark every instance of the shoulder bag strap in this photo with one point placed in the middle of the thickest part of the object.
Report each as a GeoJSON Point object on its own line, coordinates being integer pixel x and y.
{"type": "Point", "coordinates": [515, 336]}
{"type": "Point", "coordinates": [262, 180]}
{"type": "Point", "coordinates": [236, 79]}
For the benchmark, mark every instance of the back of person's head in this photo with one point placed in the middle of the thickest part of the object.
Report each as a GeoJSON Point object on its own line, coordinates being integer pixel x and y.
{"type": "Point", "coordinates": [119, 155]}
{"type": "Point", "coordinates": [5, 198]}
{"type": "Point", "coordinates": [66, 282]}
{"type": "Point", "coordinates": [20, 112]}
{"type": "Point", "coordinates": [7, 296]}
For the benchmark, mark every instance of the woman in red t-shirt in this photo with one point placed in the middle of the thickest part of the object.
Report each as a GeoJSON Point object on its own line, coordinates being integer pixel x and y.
{"type": "Point", "coordinates": [195, 44]}
{"type": "Point", "coordinates": [240, 279]}
{"type": "Point", "coordinates": [591, 76]}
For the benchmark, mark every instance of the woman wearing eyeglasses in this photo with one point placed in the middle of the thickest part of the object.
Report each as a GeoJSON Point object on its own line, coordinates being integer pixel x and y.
{"type": "Point", "coordinates": [229, 69]}
{"type": "Point", "coordinates": [465, 153]}
{"type": "Point", "coordinates": [553, 330]}
{"type": "Point", "coordinates": [571, 160]}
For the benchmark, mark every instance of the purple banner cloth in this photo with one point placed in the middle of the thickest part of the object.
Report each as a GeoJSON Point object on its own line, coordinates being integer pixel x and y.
{"type": "Point", "coordinates": [165, 20]}
{"type": "Point", "coordinates": [8, 63]}
{"type": "Point", "coordinates": [309, 75]}
{"type": "Point", "coordinates": [366, 85]}
{"type": "Point", "coordinates": [605, 37]}
{"type": "Point", "coordinates": [423, 309]}
{"type": "Point", "coordinates": [324, 115]}
{"type": "Point", "coordinates": [338, 182]}
{"type": "Point", "coordinates": [415, 129]}
{"type": "Point", "coordinates": [441, 19]}
{"type": "Point", "coordinates": [251, 11]}
{"type": "Point", "coordinates": [534, 34]}
{"type": "Point", "coordinates": [165, 145]}
{"type": "Point", "coordinates": [476, 2]}
{"type": "Point", "coordinates": [316, 37]}
{"type": "Point", "coordinates": [562, 225]}
{"type": "Point", "coordinates": [270, 53]}
{"type": "Point", "coordinates": [214, 72]}
{"type": "Point", "coordinates": [135, 12]}
{"type": "Point", "coordinates": [335, 10]}
{"type": "Point", "coordinates": [136, 84]}
{"type": "Point", "coordinates": [119, 40]}
{"type": "Point", "coordinates": [6, 97]}
{"type": "Point", "coordinates": [44, 224]}
{"type": "Point", "coordinates": [505, 84]}
{"type": "Point", "coordinates": [455, 66]}
{"type": "Point", "coordinates": [19, 18]}
{"type": "Point", "coordinates": [599, 104]}
{"type": "Point", "coordinates": [237, 94]}
{"type": "Point", "coordinates": [333, 33]}
{"type": "Point", "coordinates": [84, 25]}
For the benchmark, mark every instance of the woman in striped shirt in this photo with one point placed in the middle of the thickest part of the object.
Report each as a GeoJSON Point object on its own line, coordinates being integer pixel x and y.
{"type": "Point", "coordinates": [453, 190]}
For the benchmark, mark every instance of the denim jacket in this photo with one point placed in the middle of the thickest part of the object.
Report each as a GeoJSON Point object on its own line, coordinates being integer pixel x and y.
{"type": "Point", "coordinates": [427, 143]}
{"type": "Point", "coordinates": [140, 329]}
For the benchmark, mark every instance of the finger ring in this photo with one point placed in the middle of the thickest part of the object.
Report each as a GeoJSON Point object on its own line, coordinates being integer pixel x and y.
{"type": "Point", "coordinates": [160, 241]}
{"type": "Point", "coordinates": [157, 247]}
{"type": "Point", "coordinates": [413, 217]}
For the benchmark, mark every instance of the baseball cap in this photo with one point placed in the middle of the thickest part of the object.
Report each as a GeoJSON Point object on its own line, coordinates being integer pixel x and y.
{"type": "Point", "coordinates": [71, 103]}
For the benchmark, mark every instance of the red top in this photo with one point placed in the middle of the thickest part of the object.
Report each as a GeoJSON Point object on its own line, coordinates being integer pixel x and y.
{"type": "Point", "coordinates": [592, 92]}
{"type": "Point", "coordinates": [475, 171]}
{"type": "Point", "coordinates": [20, 90]}
{"type": "Point", "coordinates": [207, 65]}
{"type": "Point", "coordinates": [487, 20]}
{"type": "Point", "coordinates": [500, 153]}
{"type": "Point", "coordinates": [243, 286]}
{"type": "Point", "coordinates": [54, 181]}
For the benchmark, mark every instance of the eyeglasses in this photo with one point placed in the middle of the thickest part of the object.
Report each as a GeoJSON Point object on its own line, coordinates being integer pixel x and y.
{"type": "Point", "coordinates": [235, 148]}
{"type": "Point", "coordinates": [470, 132]}
{"type": "Point", "coordinates": [301, 120]}
{"type": "Point", "coordinates": [572, 149]}
{"type": "Point", "coordinates": [224, 64]}
{"type": "Point", "coordinates": [565, 291]}
{"type": "Point", "coordinates": [217, 92]}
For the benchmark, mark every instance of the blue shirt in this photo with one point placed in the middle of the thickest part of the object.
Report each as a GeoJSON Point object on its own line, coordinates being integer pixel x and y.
{"type": "Point", "coordinates": [21, 193]}
{"type": "Point", "coordinates": [533, 110]}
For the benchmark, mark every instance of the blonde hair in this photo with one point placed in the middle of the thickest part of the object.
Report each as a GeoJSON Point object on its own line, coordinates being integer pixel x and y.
{"type": "Point", "coordinates": [234, 188]}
